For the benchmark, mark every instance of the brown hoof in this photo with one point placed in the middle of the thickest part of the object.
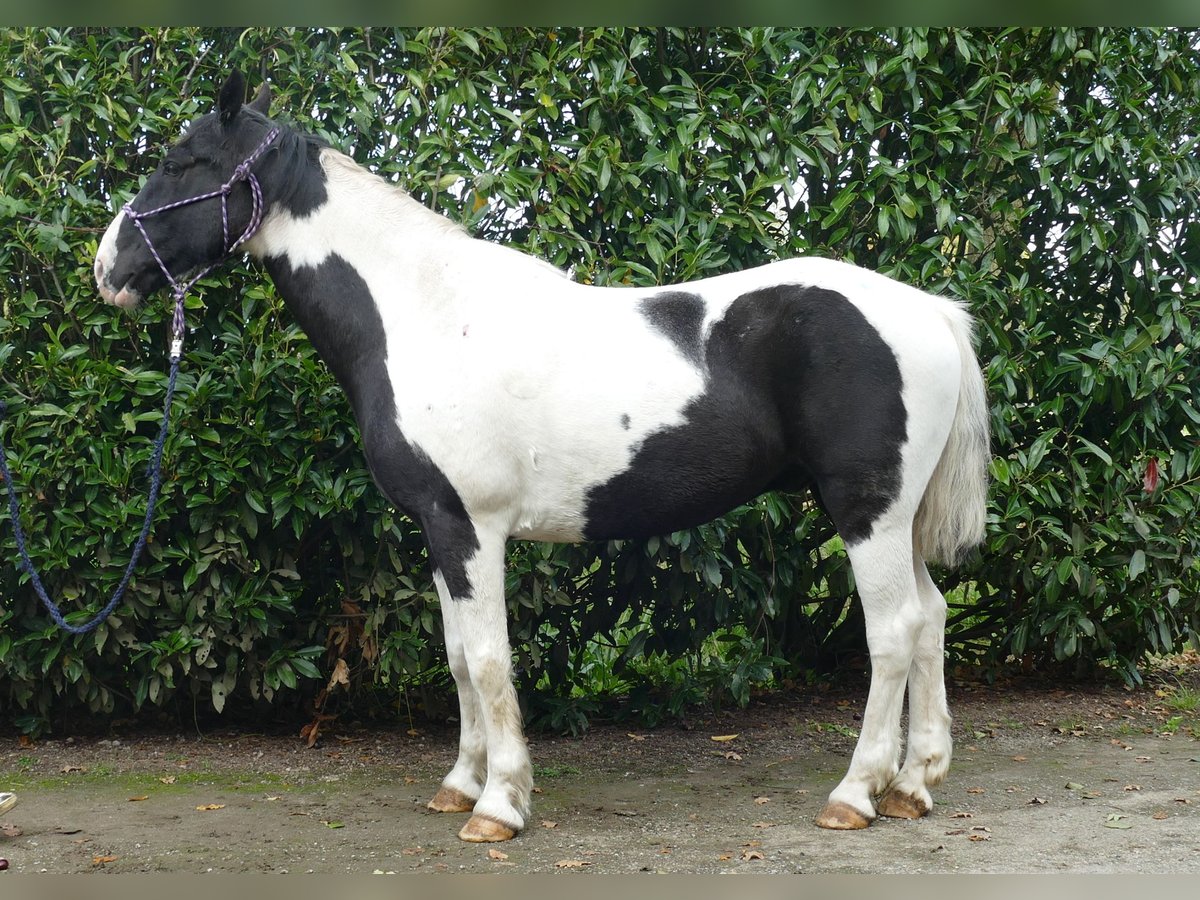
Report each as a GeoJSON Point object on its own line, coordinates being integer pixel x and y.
{"type": "Point", "coordinates": [841, 817]}
{"type": "Point", "coordinates": [898, 805]}
{"type": "Point", "coordinates": [486, 830]}
{"type": "Point", "coordinates": [450, 800]}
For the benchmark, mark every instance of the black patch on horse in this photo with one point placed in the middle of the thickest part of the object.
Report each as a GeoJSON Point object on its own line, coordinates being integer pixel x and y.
{"type": "Point", "coordinates": [335, 308]}
{"type": "Point", "coordinates": [678, 315]}
{"type": "Point", "coordinates": [800, 390]}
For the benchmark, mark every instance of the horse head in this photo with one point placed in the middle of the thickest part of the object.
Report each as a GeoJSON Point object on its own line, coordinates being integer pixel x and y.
{"type": "Point", "coordinates": [208, 194]}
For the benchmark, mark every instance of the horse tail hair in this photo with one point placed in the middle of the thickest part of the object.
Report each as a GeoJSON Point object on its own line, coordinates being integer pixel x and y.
{"type": "Point", "coordinates": [951, 517]}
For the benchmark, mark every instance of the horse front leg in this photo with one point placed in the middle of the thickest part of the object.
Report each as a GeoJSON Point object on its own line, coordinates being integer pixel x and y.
{"type": "Point", "coordinates": [463, 785]}
{"type": "Point", "coordinates": [482, 659]}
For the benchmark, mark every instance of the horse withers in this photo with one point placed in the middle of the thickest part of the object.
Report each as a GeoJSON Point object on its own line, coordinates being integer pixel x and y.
{"type": "Point", "coordinates": [497, 399]}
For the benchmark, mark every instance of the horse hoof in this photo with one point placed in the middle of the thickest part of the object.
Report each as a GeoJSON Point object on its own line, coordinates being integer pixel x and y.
{"type": "Point", "coordinates": [899, 805]}
{"type": "Point", "coordinates": [841, 817]}
{"type": "Point", "coordinates": [451, 801]}
{"type": "Point", "coordinates": [486, 830]}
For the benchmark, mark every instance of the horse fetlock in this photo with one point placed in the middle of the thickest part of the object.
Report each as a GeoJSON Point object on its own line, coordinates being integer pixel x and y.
{"type": "Point", "coordinates": [937, 765]}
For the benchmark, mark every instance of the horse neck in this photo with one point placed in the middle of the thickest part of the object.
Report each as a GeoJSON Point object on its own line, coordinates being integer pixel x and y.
{"type": "Point", "coordinates": [360, 269]}
{"type": "Point", "coordinates": [362, 219]}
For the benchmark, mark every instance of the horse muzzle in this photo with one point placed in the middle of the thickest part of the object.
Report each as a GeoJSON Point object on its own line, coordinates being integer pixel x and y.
{"type": "Point", "coordinates": [123, 296]}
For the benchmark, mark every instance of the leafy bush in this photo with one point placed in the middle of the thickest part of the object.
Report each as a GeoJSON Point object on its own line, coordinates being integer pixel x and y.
{"type": "Point", "coordinates": [1047, 176]}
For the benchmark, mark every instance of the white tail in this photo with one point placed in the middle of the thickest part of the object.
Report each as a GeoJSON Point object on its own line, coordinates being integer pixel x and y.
{"type": "Point", "coordinates": [950, 520]}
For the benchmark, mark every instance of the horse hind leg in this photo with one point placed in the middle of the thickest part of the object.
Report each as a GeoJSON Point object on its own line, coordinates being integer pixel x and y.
{"type": "Point", "coordinates": [927, 757]}
{"type": "Point", "coordinates": [895, 618]}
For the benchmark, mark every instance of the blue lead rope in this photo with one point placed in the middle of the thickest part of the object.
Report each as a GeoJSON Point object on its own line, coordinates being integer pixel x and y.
{"type": "Point", "coordinates": [180, 289]}
{"type": "Point", "coordinates": [155, 474]}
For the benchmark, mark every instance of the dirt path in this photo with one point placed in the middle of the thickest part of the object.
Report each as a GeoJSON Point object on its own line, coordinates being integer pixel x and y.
{"type": "Point", "coordinates": [1043, 781]}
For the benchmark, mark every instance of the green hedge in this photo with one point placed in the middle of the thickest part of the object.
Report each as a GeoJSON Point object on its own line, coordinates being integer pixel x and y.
{"type": "Point", "coordinates": [1047, 176]}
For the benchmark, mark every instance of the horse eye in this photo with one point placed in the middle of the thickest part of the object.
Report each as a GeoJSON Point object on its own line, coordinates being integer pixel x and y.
{"type": "Point", "coordinates": [172, 168]}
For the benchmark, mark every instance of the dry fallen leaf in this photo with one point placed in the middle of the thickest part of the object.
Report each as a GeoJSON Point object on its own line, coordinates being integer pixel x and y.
{"type": "Point", "coordinates": [1037, 801]}
{"type": "Point", "coordinates": [341, 675]}
{"type": "Point", "coordinates": [497, 854]}
{"type": "Point", "coordinates": [962, 815]}
{"type": "Point", "coordinates": [10, 831]}
{"type": "Point", "coordinates": [979, 837]}
{"type": "Point", "coordinates": [1132, 787]}
{"type": "Point", "coordinates": [723, 737]}
{"type": "Point", "coordinates": [167, 779]}
{"type": "Point", "coordinates": [101, 860]}
{"type": "Point", "coordinates": [762, 824]}
{"type": "Point", "coordinates": [725, 856]}
{"type": "Point", "coordinates": [68, 769]}
{"type": "Point", "coordinates": [1020, 759]}
{"type": "Point", "coordinates": [730, 754]}
{"type": "Point", "coordinates": [139, 798]}
{"type": "Point", "coordinates": [208, 806]}
{"type": "Point", "coordinates": [976, 790]}
{"type": "Point", "coordinates": [1160, 815]}
{"type": "Point", "coordinates": [635, 737]}
{"type": "Point", "coordinates": [761, 800]}
{"type": "Point", "coordinates": [546, 823]}
{"type": "Point", "coordinates": [571, 864]}
{"type": "Point", "coordinates": [752, 854]}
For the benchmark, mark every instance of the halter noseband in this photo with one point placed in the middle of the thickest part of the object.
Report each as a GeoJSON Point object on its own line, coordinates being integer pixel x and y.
{"type": "Point", "coordinates": [179, 289]}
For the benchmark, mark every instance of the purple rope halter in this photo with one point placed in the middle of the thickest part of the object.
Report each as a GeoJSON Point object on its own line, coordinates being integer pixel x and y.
{"type": "Point", "coordinates": [179, 291]}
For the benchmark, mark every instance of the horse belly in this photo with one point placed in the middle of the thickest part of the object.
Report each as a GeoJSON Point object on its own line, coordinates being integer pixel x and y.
{"type": "Point", "coordinates": [728, 450]}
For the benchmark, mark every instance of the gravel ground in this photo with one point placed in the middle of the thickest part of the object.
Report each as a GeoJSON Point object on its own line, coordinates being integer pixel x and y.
{"type": "Point", "coordinates": [1045, 779]}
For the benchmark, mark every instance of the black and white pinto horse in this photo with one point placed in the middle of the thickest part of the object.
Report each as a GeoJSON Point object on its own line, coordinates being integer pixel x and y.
{"type": "Point", "coordinates": [497, 399]}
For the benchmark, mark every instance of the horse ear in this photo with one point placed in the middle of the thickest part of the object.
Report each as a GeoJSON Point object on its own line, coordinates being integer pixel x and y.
{"type": "Point", "coordinates": [262, 100]}
{"type": "Point", "coordinates": [229, 100]}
